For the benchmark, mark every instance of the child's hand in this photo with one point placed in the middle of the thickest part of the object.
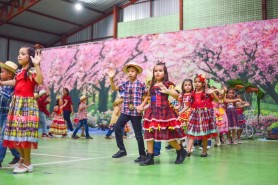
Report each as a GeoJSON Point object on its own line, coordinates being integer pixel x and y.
{"type": "Point", "coordinates": [91, 103]}
{"type": "Point", "coordinates": [37, 59]}
{"type": "Point", "coordinates": [111, 73]}
{"type": "Point", "coordinates": [209, 91]}
{"type": "Point", "coordinates": [164, 89]}
{"type": "Point", "coordinates": [140, 108]}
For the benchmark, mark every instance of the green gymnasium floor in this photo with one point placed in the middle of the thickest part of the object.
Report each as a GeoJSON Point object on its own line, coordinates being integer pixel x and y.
{"type": "Point", "coordinates": [63, 161]}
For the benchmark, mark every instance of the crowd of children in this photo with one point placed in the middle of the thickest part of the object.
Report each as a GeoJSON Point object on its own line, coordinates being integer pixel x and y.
{"type": "Point", "coordinates": [200, 112]}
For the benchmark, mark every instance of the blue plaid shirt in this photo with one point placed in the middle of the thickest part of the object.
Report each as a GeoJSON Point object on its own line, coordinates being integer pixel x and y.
{"type": "Point", "coordinates": [133, 93]}
{"type": "Point", "coordinates": [6, 93]}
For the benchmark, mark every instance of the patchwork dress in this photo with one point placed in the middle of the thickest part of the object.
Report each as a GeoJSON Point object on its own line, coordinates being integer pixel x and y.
{"type": "Point", "coordinates": [23, 118]}
{"type": "Point", "coordinates": [58, 125]}
{"type": "Point", "coordinates": [161, 122]}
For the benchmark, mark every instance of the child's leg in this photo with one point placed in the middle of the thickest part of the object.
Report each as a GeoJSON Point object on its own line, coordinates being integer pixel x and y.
{"type": "Point", "coordinates": [190, 144]}
{"type": "Point", "coordinates": [175, 144]}
{"type": "Point", "coordinates": [27, 156]}
{"type": "Point", "coordinates": [157, 148]}
{"type": "Point", "coordinates": [205, 144]}
{"type": "Point", "coordinates": [86, 128]}
{"type": "Point", "coordinates": [233, 135]}
{"type": "Point", "coordinates": [21, 153]}
{"type": "Point", "coordinates": [150, 146]}
{"type": "Point", "coordinates": [82, 130]}
{"type": "Point", "coordinates": [77, 128]}
{"type": "Point", "coordinates": [239, 132]}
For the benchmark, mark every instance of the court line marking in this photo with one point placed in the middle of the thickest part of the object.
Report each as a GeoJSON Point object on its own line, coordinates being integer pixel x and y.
{"type": "Point", "coordinates": [50, 155]}
{"type": "Point", "coordinates": [69, 161]}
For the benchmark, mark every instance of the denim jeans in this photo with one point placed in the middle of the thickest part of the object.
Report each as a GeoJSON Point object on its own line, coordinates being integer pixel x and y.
{"type": "Point", "coordinates": [3, 120]}
{"type": "Point", "coordinates": [84, 123]}
{"type": "Point", "coordinates": [111, 130]}
{"type": "Point", "coordinates": [43, 122]}
{"type": "Point", "coordinates": [137, 126]}
{"type": "Point", "coordinates": [67, 119]}
{"type": "Point", "coordinates": [157, 148]}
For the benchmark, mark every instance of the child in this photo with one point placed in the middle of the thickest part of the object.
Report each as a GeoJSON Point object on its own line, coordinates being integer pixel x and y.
{"type": "Point", "coordinates": [201, 124]}
{"type": "Point", "coordinates": [117, 106]}
{"type": "Point", "coordinates": [68, 109]}
{"type": "Point", "coordinates": [230, 101]}
{"type": "Point", "coordinates": [134, 91]}
{"type": "Point", "coordinates": [240, 116]}
{"type": "Point", "coordinates": [161, 122]}
{"type": "Point", "coordinates": [21, 131]}
{"type": "Point", "coordinates": [58, 125]}
{"type": "Point", "coordinates": [43, 100]}
{"type": "Point", "coordinates": [82, 117]}
{"type": "Point", "coordinates": [184, 102]}
{"type": "Point", "coordinates": [8, 70]}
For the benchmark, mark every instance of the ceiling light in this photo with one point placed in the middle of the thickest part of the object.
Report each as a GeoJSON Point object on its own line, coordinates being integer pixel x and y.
{"type": "Point", "coordinates": [78, 6]}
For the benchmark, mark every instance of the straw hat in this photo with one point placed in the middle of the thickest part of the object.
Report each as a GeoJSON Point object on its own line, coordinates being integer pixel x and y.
{"type": "Point", "coordinates": [83, 98]}
{"type": "Point", "coordinates": [118, 101]}
{"type": "Point", "coordinates": [36, 95]}
{"type": "Point", "coordinates": [133, 64]}
{"type": "Point", "coordinates": [42, 92]}
{"type": "Point", "coordinates": [10, 66]}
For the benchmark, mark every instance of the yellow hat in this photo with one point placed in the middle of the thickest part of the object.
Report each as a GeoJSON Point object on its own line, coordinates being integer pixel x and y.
{"type": "Point", "coordinates": [118, 101]}
{"type": "Point", "coordinates": [133, 64]}
{"type": "Point", "coordinates": [10, 66]}
{"type": "Point", "coordinates": [83, 98]}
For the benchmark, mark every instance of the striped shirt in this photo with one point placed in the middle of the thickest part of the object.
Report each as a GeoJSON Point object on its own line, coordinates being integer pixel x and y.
{"type": "Point", "coordinates": [133, 93]}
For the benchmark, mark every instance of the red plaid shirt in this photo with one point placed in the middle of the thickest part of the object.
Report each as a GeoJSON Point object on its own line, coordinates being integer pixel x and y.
{"type": "Point", "coordinates": [42, 103]}
{"type": "Point", "coordinates": [82, 112]}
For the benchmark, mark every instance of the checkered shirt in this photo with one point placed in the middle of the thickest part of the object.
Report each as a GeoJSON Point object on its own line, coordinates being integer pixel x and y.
{"type": "Point", "coordinates": [82, 114]}
{"type": "Point", "coordinates": [6, 93]}
{"type": "Point", "coordinates": [133, 93]}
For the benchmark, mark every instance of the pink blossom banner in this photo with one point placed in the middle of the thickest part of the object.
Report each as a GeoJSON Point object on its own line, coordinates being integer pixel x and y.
{"type": "Point", "coordinates": [245, 50]}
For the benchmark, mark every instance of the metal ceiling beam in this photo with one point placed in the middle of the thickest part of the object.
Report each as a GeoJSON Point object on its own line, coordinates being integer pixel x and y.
{"type": "Point", "coordinates": [14, 8]}
{"type": "Point", "coordinates": [19, 39]}
{"type": "Point", "coordinates": [50, 16]}
{"type": "Point", "coordinates": [33, 29]}
{"type": "Point", "coordinates": [93, 22]}
{"type": "Point", "coordinates": [87, 7]}
{"type": "Point", "coordinates": [264, 9]}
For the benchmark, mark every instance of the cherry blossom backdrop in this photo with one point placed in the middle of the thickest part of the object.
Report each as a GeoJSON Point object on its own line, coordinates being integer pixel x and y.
{"type": "Point", "coordinates": [246, 50]}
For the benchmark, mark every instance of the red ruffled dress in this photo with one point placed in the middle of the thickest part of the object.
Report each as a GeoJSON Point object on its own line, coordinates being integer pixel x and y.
{"type": "Point", "coordinates": [161, 122]}
{"type": "Point", "coordinates": [202, 122]}
{"type": "Point", "coordinates": [58, 125]}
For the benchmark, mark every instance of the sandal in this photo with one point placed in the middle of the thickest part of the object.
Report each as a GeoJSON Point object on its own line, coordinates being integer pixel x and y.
{"type": "Point", "coordinates": [204, 154]}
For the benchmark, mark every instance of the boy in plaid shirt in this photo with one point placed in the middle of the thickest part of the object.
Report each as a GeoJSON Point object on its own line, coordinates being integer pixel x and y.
{"type": "Point", "coordinates": [6, 92]}
{"type": "Point", "coordinates": [133, 93]}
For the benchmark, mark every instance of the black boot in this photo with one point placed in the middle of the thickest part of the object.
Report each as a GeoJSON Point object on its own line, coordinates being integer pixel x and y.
{"type": "Point", "coordinates": [181, 155]}
{"type": "Point", "coordinates": [148, 161]}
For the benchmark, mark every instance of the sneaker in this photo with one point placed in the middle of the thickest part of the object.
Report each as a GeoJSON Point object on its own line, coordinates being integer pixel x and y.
{"type": "Point", "coordinates": [108, 137]}
{"type": "Point", "coordinates": [239, 141]}
{"type": "Point", "coordinates": [14, 162]}
{"type": "Point", "coordinates": [75, 137]}
{"type": "Point", "coordinates": [89, 137]}
{"type": "Point", "coordinates": [157, 155]}
{"type": "Point", "coordinates": [119, 154]}
{"type": "Point", "coordinates": [169, 147]}
{"type": "Point", "coordinates": [200, 148]}
{"type": "Point", "coordinates": [140, 158]}
{"type": "Point", "coordinates": [44, 135]}
{"type": "Point", "coordinates": [208, 147]}
{"type": "Point", "coordinates": [204, 155]}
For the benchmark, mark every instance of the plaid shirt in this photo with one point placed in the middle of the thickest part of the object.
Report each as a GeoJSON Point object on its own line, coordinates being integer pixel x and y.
{"type": "Point", "coordinates": [6, 93]}
{"type": "Point", "coordinates": [133, 93]}
{"type": "Point", "coordinates": [82, 112]}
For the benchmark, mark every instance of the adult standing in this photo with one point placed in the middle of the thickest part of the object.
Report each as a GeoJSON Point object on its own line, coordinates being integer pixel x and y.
{"type": "Point", "coordinates": [68, 108]}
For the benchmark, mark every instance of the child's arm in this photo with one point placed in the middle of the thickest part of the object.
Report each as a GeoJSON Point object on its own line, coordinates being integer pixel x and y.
{"type": "Point", "coordinates": [8, 82]}
{"type": "Point", "coordinates": [36, 61]}
{"type": "Point", "coordinates": [140, 108]}
{"type": "Point", "coordinates": [111, 75]}
{"type": "Point", "coordinates": [66, 101]}
{"type": "Point", "coordinates": [171, 92]}
{"type": "Point", "coordinates": [90, 105]}
{"type": "Point", "coordinates": [183, 110]}
{"type": "Point", "coordinates": [211, 92]}
{"type": "Point", "coordinates": [231, 100]}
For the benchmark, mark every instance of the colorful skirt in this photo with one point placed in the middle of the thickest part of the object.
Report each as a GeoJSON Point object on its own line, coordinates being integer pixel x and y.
{"type": "Point", "coordinates": [184, 117]}
{"type": "Point", "coordinates": [162, 124]}
{"type": "Point", "coordinates": [58, 126]}
{"type": "Point", "coordinates": [232, 118]}
{"type": "Point", "coordinates": [202, 124]}
{"type": "Point", "coordinates": [240, 118]}
{"type": "Point", "coordinates": [221, 120]}
{"type": "Point", "coordinates": [22, 123]}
